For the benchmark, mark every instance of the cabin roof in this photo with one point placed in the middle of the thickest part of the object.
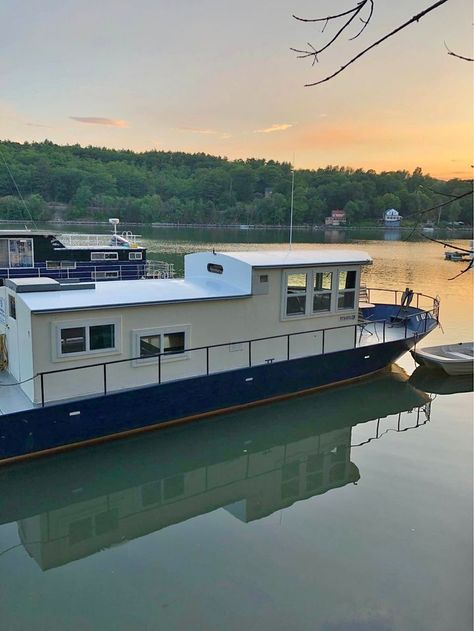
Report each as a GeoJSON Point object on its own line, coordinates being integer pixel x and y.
{"type": "Point", "coordinates": [25, 233]}
{"type": "Point", "coordinates": [300, 258]}
{"type": "Point", "coordinates": [109, 294]}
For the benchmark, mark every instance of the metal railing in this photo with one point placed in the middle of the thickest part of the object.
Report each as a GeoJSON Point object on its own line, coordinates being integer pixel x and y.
{"type": "Point", "coordinates": [125, 270]}
{"type": "Point", "coordinates": [421, 315]}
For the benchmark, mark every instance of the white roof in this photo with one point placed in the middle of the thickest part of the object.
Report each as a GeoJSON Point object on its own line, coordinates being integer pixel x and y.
{"type": "Point", "coordinates": [124, 293]}
{"type": "Point", "coordinates": [300, 258]}
{"type": "Point", "coordinates": [235, 281]}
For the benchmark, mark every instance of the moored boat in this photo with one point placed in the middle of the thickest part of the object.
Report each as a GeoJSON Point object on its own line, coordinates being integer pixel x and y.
{"type": "Point", "coordinates": [76, 257]}
{"type": "Point", "coordinates": [93, 361]}
{"type": "Point", "coordinates": [453, 359]}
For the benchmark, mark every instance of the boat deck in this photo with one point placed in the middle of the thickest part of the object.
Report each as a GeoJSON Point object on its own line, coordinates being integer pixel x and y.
{"type": "Point", "coordinates": [12, 397]}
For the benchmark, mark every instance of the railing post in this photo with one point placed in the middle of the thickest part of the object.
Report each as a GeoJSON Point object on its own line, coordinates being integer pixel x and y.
{"type": "Point", "coordinates": [406, 328]}
{"type": "Point", "coordinates": [425, 319]}
{"type": "Point", "coordinates": [105, 378]}
{"type": "Point", "coordinates": [250, 353]}
{"type": "Point", "coordinates": [207, 360]}
{"type": "Point", "coordinates": [159, 368]}
{"type": "Point", "coordinates": [42, 389]}
{"type": "Point", "coordinates": [355, 336]}
{"type": "Point", "coordinates": [384, 324]}
{"type": "Point", "coordinates": [418, 300]}
{"type": "Point", "coordinates": [288, 347]}
{"type": "Point", "coordinates": [323, 344]}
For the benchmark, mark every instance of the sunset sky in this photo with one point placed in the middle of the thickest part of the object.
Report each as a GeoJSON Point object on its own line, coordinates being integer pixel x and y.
{"type": "Point", "coordinates": [218, 77]}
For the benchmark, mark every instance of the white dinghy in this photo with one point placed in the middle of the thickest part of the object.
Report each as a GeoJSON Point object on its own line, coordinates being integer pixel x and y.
{"type": "Point", "coordinates": [454, 359]}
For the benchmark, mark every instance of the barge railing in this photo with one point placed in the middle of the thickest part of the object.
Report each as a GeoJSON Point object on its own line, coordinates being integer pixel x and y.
{"type": "Point", "coordinates": [421, 316]}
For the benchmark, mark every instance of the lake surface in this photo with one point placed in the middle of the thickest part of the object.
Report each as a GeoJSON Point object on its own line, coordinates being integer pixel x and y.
{"type": "Point", "coordinates": [347, 510]}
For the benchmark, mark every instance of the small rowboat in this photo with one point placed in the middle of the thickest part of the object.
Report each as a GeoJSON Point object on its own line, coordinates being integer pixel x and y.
{"type": "Point", "coordinates": [454, 359]}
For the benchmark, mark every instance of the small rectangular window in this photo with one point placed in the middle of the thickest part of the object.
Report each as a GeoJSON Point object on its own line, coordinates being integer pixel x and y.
{"type": "Point", "coordinates": [53, 264]}
{"type": "Point", "coordinates": [150, 345]}
{"type": "Point", "coordinates": [104, 256]}
{"type": "Point", "coordinates": [73, 340]}
{"type": "Point", "coordinates": [173, 342]}
{"type": "Point", "coordinates": [101, 337]}
{"type": "Point", "coordinates": [135, 256]}
{"type": "Point", "coordinates": [215, 268]}
{"type": "Point", "coordinates": [322, 291]}
{"type": "Point", "coordinates": [296, 288]}
{"type": "Point", "coordinates": [264, 278]}
{"type": "Point", "coordinates": [346, 287]}
{"type": "Point", "coordinates": [105, 275]}
{"type": "Point", "coordinates": [11, 306]}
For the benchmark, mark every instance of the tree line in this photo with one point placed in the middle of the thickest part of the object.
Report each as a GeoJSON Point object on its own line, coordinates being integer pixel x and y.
{"type": "Point", "coordinates": [162, 186]}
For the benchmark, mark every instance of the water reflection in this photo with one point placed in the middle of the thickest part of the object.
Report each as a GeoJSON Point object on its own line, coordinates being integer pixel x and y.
{"type": "Point", "coordinates": [438, 382]}
{"type": "Point", "coordinates": [250, 463]}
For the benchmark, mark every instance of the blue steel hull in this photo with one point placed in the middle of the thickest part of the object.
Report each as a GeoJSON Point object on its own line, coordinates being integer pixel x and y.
{"type": "Point", "coordinates": [63, 425]}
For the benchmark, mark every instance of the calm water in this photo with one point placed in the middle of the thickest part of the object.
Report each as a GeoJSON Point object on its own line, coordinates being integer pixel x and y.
{"type": "Point", "coordinates": [347, 510]}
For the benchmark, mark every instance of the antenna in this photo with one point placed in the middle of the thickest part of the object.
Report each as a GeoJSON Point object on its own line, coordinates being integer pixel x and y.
{"type": "Point", "coordinates": [114, 221]}
{"type": "Point", "coordinates": [292, 204]}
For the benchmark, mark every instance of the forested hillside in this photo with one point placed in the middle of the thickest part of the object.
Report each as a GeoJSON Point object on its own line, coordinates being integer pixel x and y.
{"type": "Point", "coordinates": [162, 186]}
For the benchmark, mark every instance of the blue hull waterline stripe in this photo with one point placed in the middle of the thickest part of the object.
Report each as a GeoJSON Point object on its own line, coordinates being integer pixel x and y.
{"type": "Point", "coordinates": [65, 424]}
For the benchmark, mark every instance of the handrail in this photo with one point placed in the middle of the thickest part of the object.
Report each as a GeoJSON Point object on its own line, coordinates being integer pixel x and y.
{"type": "Point", "coordinates": [429, 312]}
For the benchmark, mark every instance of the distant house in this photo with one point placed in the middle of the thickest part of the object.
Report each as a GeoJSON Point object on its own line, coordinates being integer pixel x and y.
{"type": "Point", "coordinates": [392, 218]}
{"type": "Point", "coordinates": [337, 218]}
{"type": "Point", "coordinates": [268, 192]}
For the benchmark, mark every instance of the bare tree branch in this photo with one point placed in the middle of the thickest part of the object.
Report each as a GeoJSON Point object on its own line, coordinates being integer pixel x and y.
{"type": "Point", "coordinates": [450, 52]}
{"type": "Point", "coordinates": [463, 271]}
{"type": "Point", "coordinates": [354, 11]}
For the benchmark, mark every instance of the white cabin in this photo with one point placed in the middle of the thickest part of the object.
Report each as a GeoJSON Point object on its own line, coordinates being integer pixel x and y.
{"type": "Point", "coordinates": [223, 301]}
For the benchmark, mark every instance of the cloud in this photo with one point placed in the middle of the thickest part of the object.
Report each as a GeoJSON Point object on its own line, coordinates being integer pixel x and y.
{"type": "Point", "coordinates": [276, 127]}
{"type": "Point", "coordinates": [98, 120]}
{"type": "Point", "coordinates": [197, 130]}
{"type": "Point", "coordinates": [38, 125]}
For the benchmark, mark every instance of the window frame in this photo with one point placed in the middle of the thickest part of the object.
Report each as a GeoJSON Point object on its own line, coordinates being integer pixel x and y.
{"type": "Point", "coordinates": [137, 334]}
{"type": "Point", "coordinates": [311, 292]}
{"type": "Point", "coordinates": [135, 255]}
{"type": "Point", "coordinates": [57, 327]}
{"type": "Point", "coordinates": [104, 256]}
{"type": "Point", "coordinates": [32, 247]}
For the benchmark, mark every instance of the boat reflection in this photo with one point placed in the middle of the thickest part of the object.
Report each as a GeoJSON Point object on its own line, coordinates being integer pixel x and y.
{"type": "Point", "coordinates": [438, 382]}
{"type": "Point", "coordinates": [251, 463]}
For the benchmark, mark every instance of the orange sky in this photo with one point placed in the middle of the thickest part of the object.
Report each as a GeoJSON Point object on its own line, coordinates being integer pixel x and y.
{"type": "Point", "coordinates": [219, 77]}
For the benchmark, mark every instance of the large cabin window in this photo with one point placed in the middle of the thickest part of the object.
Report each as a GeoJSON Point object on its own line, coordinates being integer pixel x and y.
{"type": "Point", "coordinates": [296, 290]}
{"type": "Point", "coordinates": [20, 252]}
{"type": "Point", "coordinates": [322, 291]}
{"type": "Point", "coordinates": [346, 289]}
{"type": "Point", "coordinates": [318, 291]}
{"type": "Point", "coordinates": [83, 338]}
{"type": "Point", "coordinates": [4, 260]}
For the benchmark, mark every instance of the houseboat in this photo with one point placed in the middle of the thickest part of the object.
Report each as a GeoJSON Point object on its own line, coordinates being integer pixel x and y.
{"type": "Point", "coordinates": [85, 362]}
{"type": "Point", "coordinates": [76, 257]}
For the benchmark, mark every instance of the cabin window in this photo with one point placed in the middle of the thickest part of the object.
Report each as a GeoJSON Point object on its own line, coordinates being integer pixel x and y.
{"type": "Point", "coordinates": [93, 337]}
{"type": "Point", "coordinates": [11, 306]}
{"type": "Point", "coordinates": [135, 256]}
{"type": "Point", "coordinates": [215, 268]}
{"type": "Point", "coordinates": [167, 340]}
{"type": "Point", "coordinates": [318, 291]}
{"type": "Point", "coordinates": [4, 260]}
{"type": "Point", "coordinates": [20, 252]}
{"type": "Point", "coordinates": [104, 256]}
{"type": "Point", "coordinates": [322, 291]}
{"type": "Point", "coordinates": [296, 290]}
{"type": "Point", "coordinates": [346, 289]}
{"type": "Point", "coordinates": [105, 275]}
{"type": "Point", "coordinates": [60, 264]}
